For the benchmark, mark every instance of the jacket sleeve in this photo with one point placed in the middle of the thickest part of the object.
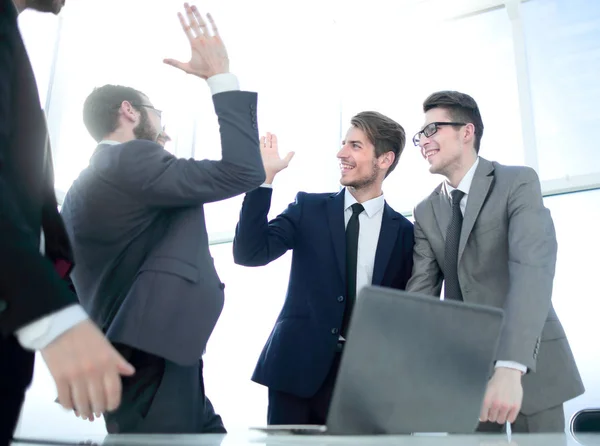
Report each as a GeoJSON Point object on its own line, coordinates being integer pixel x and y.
{"type": "Point", "coordinates": [259, 241]}
{"type": "Point", "coordinates": [146, 170]}
{"type": "Point", "coordinates": [30, 288]}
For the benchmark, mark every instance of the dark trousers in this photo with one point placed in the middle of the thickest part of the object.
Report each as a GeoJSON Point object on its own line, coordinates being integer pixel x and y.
{"type": "Point", "coordinates": [16, 372]}
{"type": "Point", "coordinates": [545, 421]}
{"type": "Point", "coordinates": [285, 408]}
{"type": "Point", "coordinates": [163, 398]}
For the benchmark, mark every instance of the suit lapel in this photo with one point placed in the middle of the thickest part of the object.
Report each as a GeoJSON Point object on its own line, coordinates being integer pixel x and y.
{"type": "Point", "coordinates": [385, 246]}
{"type": "Point", "coordinates": [335, 215]}
{"type": "Point", "coordinates": [441, 210]}
{"type": "Point", "coordinates": [480, 187]}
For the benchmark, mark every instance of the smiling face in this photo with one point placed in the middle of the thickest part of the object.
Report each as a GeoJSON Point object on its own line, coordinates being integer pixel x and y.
{"type": "Point", "coordinates": [450, 147]}
{"type": "Point", "coordinates": [358, 164]}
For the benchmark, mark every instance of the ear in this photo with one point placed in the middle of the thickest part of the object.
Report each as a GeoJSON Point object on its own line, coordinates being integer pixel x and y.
{"type": "Point", "coordinates": [386, 160]}
{"type": "Point", "coordinates": [469, 135]}
{"type": "Point", "coordinates": [128, 111]}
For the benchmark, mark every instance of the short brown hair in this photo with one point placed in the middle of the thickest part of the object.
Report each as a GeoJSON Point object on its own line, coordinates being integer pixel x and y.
{"type": "Point", "coordinates": [384, 133]}
{"type": "Point", "coordinates": [461, 107]}
{"type": "Point", "coordinates": [101, 108]}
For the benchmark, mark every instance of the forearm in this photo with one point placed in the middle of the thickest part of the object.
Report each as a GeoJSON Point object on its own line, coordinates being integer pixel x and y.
{"type": "Point", "coordinates": [258, 242]}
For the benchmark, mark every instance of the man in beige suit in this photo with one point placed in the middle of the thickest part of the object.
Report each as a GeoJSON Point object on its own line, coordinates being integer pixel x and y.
{"type": "Point", "coordinates": [486, 233]}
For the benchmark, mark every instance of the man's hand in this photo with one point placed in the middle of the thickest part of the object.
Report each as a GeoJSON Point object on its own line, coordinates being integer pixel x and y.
{"type": "Point", "coordinates": [209, 56]}
{"type": "Point", "coordinates": [270, 155]}
{"type": "Point", "coordinates": [503, 397]}
{"type": "Point", "coordinates": [87, 370]}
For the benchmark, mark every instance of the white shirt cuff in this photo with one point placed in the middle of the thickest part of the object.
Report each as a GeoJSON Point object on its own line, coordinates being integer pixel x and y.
{"type": "Point", "coordinates": [40, 333]}
{"type": "Point", "coordinates": [511, 365]}
{"type": "Point", "coordinates": [270, 186]}
{"type": "Point", "coordinates": [223, 82]}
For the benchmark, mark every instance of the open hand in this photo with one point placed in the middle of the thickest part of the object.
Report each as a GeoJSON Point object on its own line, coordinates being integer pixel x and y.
{"type": "Point", "coordinates": [209, 56]}
{"type": "Point", "coordinates": [272, 162]}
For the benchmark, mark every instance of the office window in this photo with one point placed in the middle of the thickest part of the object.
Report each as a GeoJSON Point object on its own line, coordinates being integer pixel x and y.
{"type": "Point", "coordinates": [563, 49]}
{"type": "Point", "coordinates": [575, 295]}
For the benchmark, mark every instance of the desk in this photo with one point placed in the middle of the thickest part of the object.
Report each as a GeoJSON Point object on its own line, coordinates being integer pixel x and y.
{"type": "Point", "coordinates": [254, 438]}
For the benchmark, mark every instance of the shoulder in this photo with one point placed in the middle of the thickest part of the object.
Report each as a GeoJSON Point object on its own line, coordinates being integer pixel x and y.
{"type": "Point", "coordinates": [310, 198]}
{"type": "Point", "coordinates": [425, 204]}
{"type": "Point", "coordinates": [514, 172]}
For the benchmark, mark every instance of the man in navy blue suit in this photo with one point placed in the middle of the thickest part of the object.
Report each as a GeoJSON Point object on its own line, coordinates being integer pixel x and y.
{"type": "Point", "coordinates": [341, 242]}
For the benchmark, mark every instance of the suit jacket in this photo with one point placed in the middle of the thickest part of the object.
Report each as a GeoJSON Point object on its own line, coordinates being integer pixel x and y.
{"type": "Point", "coordinates": [30, 287]}
{"type": "Point", "coordinates": [136, 218]}
{"type": "Point", "coordinates": [506, 259]}
{"type": "Point", "coordinates": [301, 348]}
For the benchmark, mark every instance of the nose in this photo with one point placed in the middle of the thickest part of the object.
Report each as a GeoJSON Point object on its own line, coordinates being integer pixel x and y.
{"type": "Point", "coordinates": [343, 152]}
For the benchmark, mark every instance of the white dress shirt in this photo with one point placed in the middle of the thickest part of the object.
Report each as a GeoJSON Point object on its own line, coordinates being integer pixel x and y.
{"type": "Point", "coordinates": [368, 236]}
{"type": "Point", "coordinates": [38, 334]}
{"type": "Point", "coordinates": [465, 186]}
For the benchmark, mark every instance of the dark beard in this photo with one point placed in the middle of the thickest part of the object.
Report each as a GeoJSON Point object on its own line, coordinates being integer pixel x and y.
{"type": "Point", "coordinates": [144, 129]}
{"type": "Point", "coordinates": [53, 6]}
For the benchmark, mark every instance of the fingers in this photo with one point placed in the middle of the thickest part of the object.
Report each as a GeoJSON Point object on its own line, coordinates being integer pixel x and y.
{"type": "Point", "coordinates": [195, 26]}
{"type": "Point", "coordinates": [186, 28]}
{"type": "Point", "coordinates": [213, 25]}
{"type": "Point", "coordinates": [485, 409]}
{"type": "Point", "coordinates": [512, 414]}
{"type": "Point", "coordinates": [79, 391]}
{"type": "Point", "coordinates": [289, 157]}
{"type": "Point", "coordinates": [97, 397]}
{"type": "Point", "coordinates": [64, 393]}
{"type": "Point", "coordinates": [175, 63]}
{"type": "Point", "coordinates": [203, 29]}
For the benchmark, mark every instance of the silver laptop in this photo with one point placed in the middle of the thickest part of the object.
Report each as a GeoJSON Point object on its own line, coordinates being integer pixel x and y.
{"type": "Point", "coordinates": [411, 364]}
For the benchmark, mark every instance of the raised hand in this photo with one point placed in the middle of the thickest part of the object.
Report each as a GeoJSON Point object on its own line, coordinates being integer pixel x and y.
{"type": "Point", "coordinates": [209, 55]}
{"type": "Point", "coordinates": [272, 162]}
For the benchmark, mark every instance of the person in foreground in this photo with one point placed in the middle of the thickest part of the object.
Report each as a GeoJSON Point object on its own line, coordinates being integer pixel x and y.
{"type": "Point", "coordinates": [486, 233]}
{"type": "Point", "coordinates": [136, 218]}
{"type": "Point", "coordinates": [341, 242]}
{"type": "Point", "coordinates": [38, 311]}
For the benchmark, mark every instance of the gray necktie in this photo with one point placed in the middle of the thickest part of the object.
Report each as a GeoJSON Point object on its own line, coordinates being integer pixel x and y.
{"type": "Point", "coordinates": [452, 287]}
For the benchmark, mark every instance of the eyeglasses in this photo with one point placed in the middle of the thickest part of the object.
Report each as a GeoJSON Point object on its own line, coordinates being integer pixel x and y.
{"type": "Point", "coordinates": [431, 129]}
{"type": "Point", "coordinates": [158, 112]}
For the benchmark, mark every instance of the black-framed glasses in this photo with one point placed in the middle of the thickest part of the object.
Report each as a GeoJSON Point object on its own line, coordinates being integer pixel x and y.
{"type": "Point", "coordinates": [135, 104]}
{"type": "Point", "coordinates": [158, 112]}
{"type": "Point", "coordinates": [431, 129]}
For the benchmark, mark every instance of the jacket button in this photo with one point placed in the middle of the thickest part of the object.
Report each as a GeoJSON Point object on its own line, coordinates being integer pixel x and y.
{"type": "Point", "coordinates": [222, 286]}
{"type": "Point", "coordinates": [3, 305]}
{"type": "Point", "coordinates": [334, 331]}
{"type": "Point", "coordinates": [340, 298]}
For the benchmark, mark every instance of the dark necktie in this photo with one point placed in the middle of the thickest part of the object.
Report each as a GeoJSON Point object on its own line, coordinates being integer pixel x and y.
{"type": "Point", "coordinates": [352, 230]}
{"type": "Point", "coordinates": [452, 287]}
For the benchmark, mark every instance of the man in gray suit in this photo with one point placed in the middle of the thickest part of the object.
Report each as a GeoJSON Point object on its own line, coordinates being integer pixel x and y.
{"type": "Point", "coordinates": [136, 218]}
{"type": "Point", "coordinates": [486, 233]}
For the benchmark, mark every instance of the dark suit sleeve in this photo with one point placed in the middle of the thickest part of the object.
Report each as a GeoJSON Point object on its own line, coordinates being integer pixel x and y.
{"type": "Point", "coordinates": [152, 174]}
{"type": "Point", "coordinates": [406, 246]}
{"type": "Point", "coordinates": [532, 250]}
{"type": "Point", "coordinates": [259, 241]}
{"type": "Point", "coordinates": [29, 286]}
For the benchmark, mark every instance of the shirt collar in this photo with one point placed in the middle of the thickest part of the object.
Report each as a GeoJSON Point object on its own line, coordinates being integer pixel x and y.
{"type": "Point", "coordinates": [372, 206]}
{"type": "Point", "coordinates": [465, 183]}
{"type": "Point", "coordinates": [109, 142]}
